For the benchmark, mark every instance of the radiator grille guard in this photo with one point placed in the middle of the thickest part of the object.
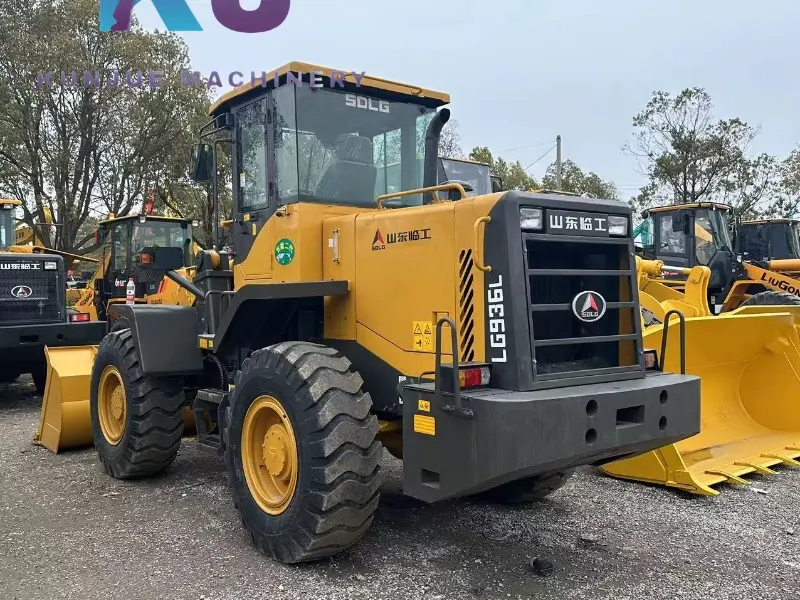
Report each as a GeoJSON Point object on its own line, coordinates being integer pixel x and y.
{"type": "Point", "coordinates": [29, 293]}
{"type": "Point", "coordinates": [561, 303]}
{"type": "Point", "coordinates": [559, 272]}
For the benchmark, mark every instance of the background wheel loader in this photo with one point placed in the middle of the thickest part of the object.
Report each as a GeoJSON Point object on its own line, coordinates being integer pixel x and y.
{"type": "Point", "coordinates": [128, 244]}
{"type": "Point", "coordinates": [33, 310]}
{"type": "Point", "coordinates": [124, 240]}
{"type": "Point", "coordinates": [688, 235]}
{"type": "Point", "coordinates": [492, 341]}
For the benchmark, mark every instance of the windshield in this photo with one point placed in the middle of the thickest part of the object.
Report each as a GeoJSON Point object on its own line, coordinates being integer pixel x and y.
{"type": "Point", "coordinates": [7, 234]}
{"type": "Point", "coordinates": [163, 234]}
{"type": "Point", "coordinates": [334, 148]}
{"type": "Point", "coordinates": [711, 234]}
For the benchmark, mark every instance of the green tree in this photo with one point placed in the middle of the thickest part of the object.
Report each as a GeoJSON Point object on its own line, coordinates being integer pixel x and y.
{"type": "Point", "coordinates": [80, 147]}
{"type": "Point", "coordinates": [690, 155]}
{"type": "Point", "coordinates": [514, 175]}
{"type": "Point", "coordinates": [574, 180]}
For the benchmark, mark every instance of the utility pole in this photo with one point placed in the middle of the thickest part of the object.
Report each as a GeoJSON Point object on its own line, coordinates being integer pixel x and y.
{"type": "Point", "coordinates": [558, 162]}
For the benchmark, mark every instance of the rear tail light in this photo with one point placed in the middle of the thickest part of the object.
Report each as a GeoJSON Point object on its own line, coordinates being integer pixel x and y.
{"type": "Point", "coordinates": [473, 377]}
{"type": "Point", "coordinates": [79, 318]}
{"type": "Point", "coordinates": [650, 360]}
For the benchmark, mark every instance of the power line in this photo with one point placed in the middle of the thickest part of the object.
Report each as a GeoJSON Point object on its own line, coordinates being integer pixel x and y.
{"type": "Point", "coordinates": [528, 146]}
{"type": "Point", "coordinates": [541, 157]}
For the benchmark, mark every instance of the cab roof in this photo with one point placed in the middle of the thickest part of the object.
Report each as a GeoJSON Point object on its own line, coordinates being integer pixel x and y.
{"type": "Point", "coordinates": [672, 207]}
{"type": "Point", "coordinates": [465, 160]}
{"type": "Point", "coordinates": [11, 201]}
{"type": "Point", "coordinates": [770, 221]}
{"type": "Point", "coordinates": [393, 90]}
{"type": "Point", "coordinates": [156, 218]}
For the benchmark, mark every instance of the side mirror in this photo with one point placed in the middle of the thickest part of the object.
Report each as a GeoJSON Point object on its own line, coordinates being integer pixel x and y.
{"type": "Point", "coordinates": [497, 184]}
{"type": "Point", "coordinates": [201, 162]}
{"type": "Point", "coordinates": [453, 194]}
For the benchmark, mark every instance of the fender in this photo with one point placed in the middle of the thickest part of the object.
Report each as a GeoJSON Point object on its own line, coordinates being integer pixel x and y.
{"type": "Point", "coordinates": [166, 337]}
{"type": "Point", "coordinates": [266, 295]}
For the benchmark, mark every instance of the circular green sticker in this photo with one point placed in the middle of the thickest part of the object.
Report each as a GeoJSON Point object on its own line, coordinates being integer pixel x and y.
{"type": "Point", "coordinates": [284, 252]}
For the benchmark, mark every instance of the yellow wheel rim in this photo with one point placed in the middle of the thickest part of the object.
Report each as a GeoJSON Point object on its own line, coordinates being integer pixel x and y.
{"type": "Point", "coordinates": [111, 405]}
{"type": "Point", "coordinates": [269, 455]}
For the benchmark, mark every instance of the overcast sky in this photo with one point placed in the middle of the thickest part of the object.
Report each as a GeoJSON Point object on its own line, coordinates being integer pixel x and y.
{"type": "Point", "coordinates": [519, 72]}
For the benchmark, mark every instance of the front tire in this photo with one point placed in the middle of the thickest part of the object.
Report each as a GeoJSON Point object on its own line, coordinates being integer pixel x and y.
{"type": "Point", "coordinates": [771, 298]}
{"type": "Point", "coordinates": [39, 376]}
{"type": "Point", "coordinates": [137, 421]}
{"type": "Point", "coordinates": [301, 453]}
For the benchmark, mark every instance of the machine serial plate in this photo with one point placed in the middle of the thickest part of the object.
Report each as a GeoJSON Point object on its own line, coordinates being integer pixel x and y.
{"type": "Point", "coordinates": [567, 222]}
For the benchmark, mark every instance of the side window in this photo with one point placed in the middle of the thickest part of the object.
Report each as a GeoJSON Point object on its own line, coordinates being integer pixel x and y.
{"type": "Point", "coordinates": [120, 247]}
{"type": "Point", "coordinates": [251, 136]}
{"type": "Point", "coordinates": [671, 241]}
{"type": "Point", "coordinates": [704, 238]}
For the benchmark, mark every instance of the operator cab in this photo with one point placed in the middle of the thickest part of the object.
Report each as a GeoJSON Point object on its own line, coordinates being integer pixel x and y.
{"type": "Point", "coordinates": [8, 208]}
{"type": "Point", "coordinates": [688, 235]}
{"type": "Point", "coordinates": [128, 244]}
{"type": "Point", "coordinates": [342, 143]}
{"type": "Point", "coordinates": [769, 239]}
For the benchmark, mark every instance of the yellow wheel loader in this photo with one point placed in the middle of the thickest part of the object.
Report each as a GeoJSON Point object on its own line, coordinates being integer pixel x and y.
{"type": "Point", "coordinates": [33, 309]}
{"type": "Point", "coordinates": [124, 241]}
{"type": "Point", "coordinates": [493, 341]}
{"type": "Point", "coordinates": [749, 363]}
{"type": "Point", "coordinates": [128, 244]}
{"type": "Point", "coordinates": [688, 235]}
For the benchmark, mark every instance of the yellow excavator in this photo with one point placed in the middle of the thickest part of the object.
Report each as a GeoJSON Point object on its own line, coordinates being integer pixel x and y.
{"type": "Point", "coordinates": [492, 341]}
{"type": "Point", "coordinates": [749, 362]}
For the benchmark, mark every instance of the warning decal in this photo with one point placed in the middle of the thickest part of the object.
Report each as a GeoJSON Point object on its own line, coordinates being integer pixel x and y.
{"type": "Point", "coordinates": [423, 336]}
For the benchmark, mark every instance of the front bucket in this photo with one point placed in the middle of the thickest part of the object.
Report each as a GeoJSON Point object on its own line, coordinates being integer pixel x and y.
{"type": "Point", "coordinates": [749, 365]}
{"type": "Point", "coordinates": [66, 421]}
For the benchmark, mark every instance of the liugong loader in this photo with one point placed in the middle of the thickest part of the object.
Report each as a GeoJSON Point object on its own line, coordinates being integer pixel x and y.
{"type": "Point", "coordinates": [493, 342]}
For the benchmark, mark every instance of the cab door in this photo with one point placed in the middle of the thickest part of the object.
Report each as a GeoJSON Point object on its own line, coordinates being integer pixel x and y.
{"type": "Point", "coordinates": [252, 184]}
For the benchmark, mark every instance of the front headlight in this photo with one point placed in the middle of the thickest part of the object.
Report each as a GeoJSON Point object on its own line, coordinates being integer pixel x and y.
{"type": "Point", "coordinates": [50, 266]}
{"type": "Point", "coordinates": [617, 225]}
{"type": "Point", "coordinates": [530, 218]}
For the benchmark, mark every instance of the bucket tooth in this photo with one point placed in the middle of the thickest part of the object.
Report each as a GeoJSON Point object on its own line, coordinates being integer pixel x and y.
{"type": "Point", "coordinates": [758, 468]}
{"type": "Point", "coordinates": [784, 459]}
{"type": "Point", "coordinates": [794, 447]}
{"type": "Point", "coordinates": [729, 476]}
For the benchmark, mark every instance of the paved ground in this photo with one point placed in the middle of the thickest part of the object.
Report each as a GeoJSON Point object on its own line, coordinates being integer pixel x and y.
{"type": "Point", "coordinates": [69, 531]}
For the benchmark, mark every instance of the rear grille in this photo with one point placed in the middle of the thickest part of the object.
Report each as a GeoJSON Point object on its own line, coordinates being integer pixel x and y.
{"type": "Point", "coordinates": [42, 305]}
{"type": "Point", "coordinates": [558, 270]}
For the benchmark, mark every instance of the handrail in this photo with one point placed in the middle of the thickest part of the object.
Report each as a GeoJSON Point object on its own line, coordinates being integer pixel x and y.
{"type": "Point", "coordinates": [434, 188]}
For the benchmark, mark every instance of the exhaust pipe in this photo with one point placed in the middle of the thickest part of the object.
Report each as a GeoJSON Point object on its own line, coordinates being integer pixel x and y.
{"type": "Point", "coordinates": [430, 173]}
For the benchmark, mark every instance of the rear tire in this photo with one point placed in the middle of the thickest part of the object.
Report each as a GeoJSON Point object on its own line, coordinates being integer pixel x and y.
{"type": "Point", "coordinates": [9, 376]}
{"type": "Point", "coordinates": [327, 502]}
{"type": "Point", "coordinates": [149, 422]}
{"type": "Point", "coordinates": [772, 298]}
{"type": "Point", "coordinates": [39, 376]}
{"type": "Point", "coordinates": [529, 489]}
